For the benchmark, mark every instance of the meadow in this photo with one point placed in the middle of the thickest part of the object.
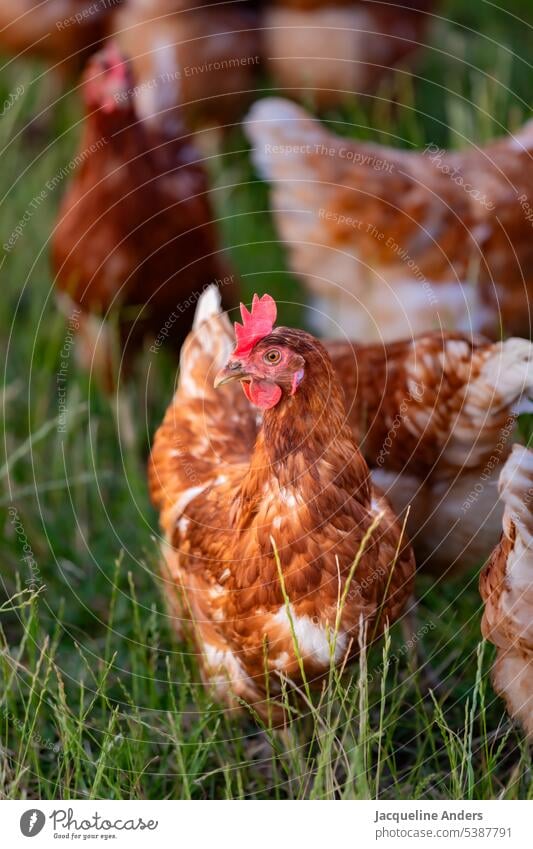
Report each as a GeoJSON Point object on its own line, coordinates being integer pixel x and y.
{"type": "Point", "coordinates": [97, 697]}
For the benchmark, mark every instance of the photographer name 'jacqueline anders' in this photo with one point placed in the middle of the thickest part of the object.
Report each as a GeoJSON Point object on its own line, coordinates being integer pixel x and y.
{"type": "Point", "coordinates": [419, 815]}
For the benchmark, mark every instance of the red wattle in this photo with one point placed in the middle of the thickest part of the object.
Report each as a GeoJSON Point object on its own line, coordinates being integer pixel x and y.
{"type": "Point", "coordinates": [262, 393]}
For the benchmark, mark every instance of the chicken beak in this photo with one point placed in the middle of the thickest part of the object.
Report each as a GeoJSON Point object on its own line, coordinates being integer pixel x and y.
{"type": "Point", "coordinates": [230, 373]}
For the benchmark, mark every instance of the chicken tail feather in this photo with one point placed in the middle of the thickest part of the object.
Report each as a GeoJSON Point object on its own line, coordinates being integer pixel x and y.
{"type": "Point", "coordinates": [501, 389]}
{"type": "Point", "coordinates": [194, 439]}
{"type": "Point", "coordinates": [209, 305]}
{"type": "Point", "coordinates": [511, 374]}
{"type": "Point", "coordinates": [206, 348]}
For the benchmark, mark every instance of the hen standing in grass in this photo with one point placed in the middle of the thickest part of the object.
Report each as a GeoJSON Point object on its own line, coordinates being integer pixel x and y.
{"type": "Point", "coordinates": [393, 243]}
{"type": "Point", "coordinates": [135, 238]}
{"type": "Point", "coordinates": [507, 589]}
{"type": "Point", "coordinates": [232, 487]}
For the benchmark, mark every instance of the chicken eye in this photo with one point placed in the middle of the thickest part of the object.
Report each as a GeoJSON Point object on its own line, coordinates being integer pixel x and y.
{"type": "Point", "coordinates": [272, 357]}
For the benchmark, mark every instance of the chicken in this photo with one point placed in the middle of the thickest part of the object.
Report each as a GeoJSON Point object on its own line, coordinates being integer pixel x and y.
{"type": "Point", "coordinates": [61, 32]}
{"type": "Point", "coordinates": [210, 56]}
{"type": "Point", "coordinates": [327, 51]}
{"type": "Point", "coordinates": [435, 418]}
{"type": "Point", "coordinates": [274, 535]}
{"type": "Point", "coordinates": [506, 587]}
{"type": "Point", "coordinates": [135, 239]}
{"type": "Point", "coordinates": [393, 243]}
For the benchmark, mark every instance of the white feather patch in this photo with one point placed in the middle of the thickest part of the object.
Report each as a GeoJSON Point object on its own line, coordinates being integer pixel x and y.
{"type": "Point", "coordinates": [209, 304]}
{"type": "Point", "coordinates": [314, 640]}
{"type": "Point", "coordinates": [223, 667]}
{"type": "Point", "coordinates": [187, 496]}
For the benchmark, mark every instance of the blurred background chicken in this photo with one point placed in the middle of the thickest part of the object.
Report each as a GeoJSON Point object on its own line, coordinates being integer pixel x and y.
{"type": "Point", "coordinates": [207, 55]}
{"type": "Point", "coordinates": [210, 53]}
{"type": "Point", "coordinates": [229, 488]}
{"type": "Point", "coordinates": [392, 243]}
{"type": "Point", "coordinates": [507, 590]}
{"type": "Point", "coordinates": [135, 240]}
{"type": "Point", "coordinates": [60, 32]}
{"type": "Point", "coordinates": [213, 53]}
{"type": "Point", "coordinates": [326, 52]}
{"type": "Point", "coordinates": [435, 418]}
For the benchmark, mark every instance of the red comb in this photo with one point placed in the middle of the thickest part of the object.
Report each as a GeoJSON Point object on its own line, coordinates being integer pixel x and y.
{"type": "Point", "coordinates": [255, 324]}
{"type": "Point", "coordinates": [108, 80]}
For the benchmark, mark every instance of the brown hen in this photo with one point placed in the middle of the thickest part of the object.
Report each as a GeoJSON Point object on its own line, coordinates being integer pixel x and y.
{"type": "Point", "coordinates": [392, 243]}
{"type": "Point", "coordinates": [231, 488]}
{"type": "Point", "coordinates": [326, 52]}
{"type": "Point", "coordinates": [135, 239]}
{"type": "Point", "coordinates": [506, 587]}
{"type": "Point", "coordinates": [206, 55]}
{"type": "Point", "coordinates": [435, 419]}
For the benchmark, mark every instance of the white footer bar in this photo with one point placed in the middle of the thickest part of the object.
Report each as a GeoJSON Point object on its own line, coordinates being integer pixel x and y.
{"type": "Point", "coordinates": [266, 825]}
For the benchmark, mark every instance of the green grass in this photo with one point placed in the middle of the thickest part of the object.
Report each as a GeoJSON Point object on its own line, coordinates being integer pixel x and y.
{"type": "Point", "coordinates": [97, 698]}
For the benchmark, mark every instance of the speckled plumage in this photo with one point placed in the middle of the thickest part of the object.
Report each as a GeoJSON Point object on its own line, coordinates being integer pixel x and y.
{"type": "Point", "coordinates": [393, 243]}
{"type": "Point", "coordinates": [225, 485]}
{"type": "Point", "coordinates": [435, 419]}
